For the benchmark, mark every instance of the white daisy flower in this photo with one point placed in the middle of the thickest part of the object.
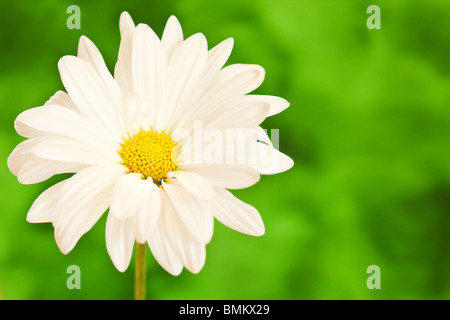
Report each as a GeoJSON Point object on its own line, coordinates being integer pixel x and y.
{"type": "Point", "coordinates": [149, 145]}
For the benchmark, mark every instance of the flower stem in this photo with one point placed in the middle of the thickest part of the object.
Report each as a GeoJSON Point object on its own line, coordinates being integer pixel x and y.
{"type": "Point", "coordinates": [140, 273]}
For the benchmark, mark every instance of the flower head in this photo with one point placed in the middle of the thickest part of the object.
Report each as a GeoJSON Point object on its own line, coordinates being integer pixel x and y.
{"type": "Point", "coordinates": [159, 143]}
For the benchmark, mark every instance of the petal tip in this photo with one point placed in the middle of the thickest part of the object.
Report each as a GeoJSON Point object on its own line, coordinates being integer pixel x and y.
{"type": "Point", "coordinates": [173, 19]}
{"type": "Point", "coordinates": [125, 21]}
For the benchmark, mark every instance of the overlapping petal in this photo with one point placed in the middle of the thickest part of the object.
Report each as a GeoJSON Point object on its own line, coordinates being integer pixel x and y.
{"type": "Point", "coordinates": [96, 99]}
{"type": "Point", "coordinates": [230, 176]}
{"type": "Point", "coordinates": [194, 214]}
{"type": "Point", "coordinates": [237, 214]}
{"type": "Point", "coordinates": [161, 247]}
{"type": "Point", "coordinates": [119, 241]}
{"type": "Point", "coordinates": [172, 36]}
{"type": "Point", "coordinates": [190, 251]}
{"type": "Point", "coordinates": [82, 201]}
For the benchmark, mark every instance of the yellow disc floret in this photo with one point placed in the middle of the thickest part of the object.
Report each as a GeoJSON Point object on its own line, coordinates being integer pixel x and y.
{"type": "Point", "coordinates": [149, 153]}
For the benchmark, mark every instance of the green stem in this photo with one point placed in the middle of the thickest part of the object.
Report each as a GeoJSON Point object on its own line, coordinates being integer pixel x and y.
{"type": "Point", "coordinates": [140, 275]}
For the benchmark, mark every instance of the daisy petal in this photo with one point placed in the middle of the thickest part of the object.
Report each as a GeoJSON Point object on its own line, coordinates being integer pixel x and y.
{"type": "Point", "coordinates": [122, 70]}
{"type": "Point", "coordinates": [149, 72]}
{"type": "Point", "coordinates": [241, 114]}
{"type": "Point", "coordinates": [191, 212]}
{"type": "Point", "coordinates": [67, 150]}
{"type": "Point", "coordinates": [149, 63]}
{"type": "Point", "coordinates": [35, 170]}
{"type": "Point", "coordinates": [272, 161]}
{"type": "Point", "coordinates": [60, 121]}
{"type": "Point", "coordinates": [148, 212]}
{"type": "Point", "coordinates": [42, 209]}
{"type": "Point", "coordinates": [237, 214]}
{"type": "Point", "coordinates": [162, 250]}
{"type": "Point", "coordinates": [198, 186]}
{"type": "Point", "coordinates": [172, 36]}
{"type": "Point", "coordinates": [230, 176]}
{"type": "Point", "coordinates": [119, 241]}
{"type": "Point", "coordinates": [83, 200]}
{"type": "Point", "coordinates": [89, 53]}
{"type": "Point", "coordinates": [128, 194]}
{"type": "Point", "coordinates": [276, 104]}
{"type": "Point", "coordinates": [217, 57]}
{"type": "Point", "coordinates": [238, 79]}
{"type": "Point", "coordinates": [61, 98]}
{"type": "Point", "coordinates": [232, 82]}
{"type": "Point", "coordinates": [186, 68]}
{"type": "Point", "coordinates": [191, 252]}
{"type": "Point", "coordinates": [20, 154]}
{"type": "Point", "coordinates": [90, 94]}
{"type": "Point", "coordinates": [125, 22]}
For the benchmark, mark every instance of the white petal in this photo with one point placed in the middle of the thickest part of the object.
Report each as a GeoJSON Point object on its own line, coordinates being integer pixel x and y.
{"type": "Point", "coordinates": [231, 83]}
{"type": "Point", "coordinates": [271, 161]}
{"type": "Point", "coordinates": [217, 146]}
{"type": "Point", "coordinates": [149, 62]}
{"type": "Point", "coordinates": [192, 212]}
{"type": "Point", "coordinates": [35, 170]}
{"type": "Point", "coordinates": [242, 114]}
{"type": "Point", "coordinates": [26, 131]}
{"type": "Point", "coordinates": [122, 70]}
{"type": "Point", "coordinates": [43, 208]}
{"type": "Point", "coordinates": [89, 53]}
{"type": "Point", "coordinates": [162, 250]}
{"type": "Point", "coordinates": [119, 241]}
{"type": "Point", "coordinates": [195, 184]}
{"type": "Point", "coordinates": [276, 104]}
{"type": "Point", "coordinates": [172, 36]}
{"type": "Point", "coordinates": [68, 150]}
{"type": "Point", "coordinates": [237, 214]}
{"type": "Point", "coordinates": [218, 55]}
{"type": "Point", "coordinates": [91, 95]}
{"type": "Point", "coordinates": [61, 98]}
{"type": "Point", "coordinates": [60, 121]}
{"type": "Point", "coordinates": [148, 213]}
{"type": "Point", "coordinates": [238, 79]}
{"type": "Point", "coordinates": [129, 193]}
{"type": "Point", "coordinates": [230, 176]}
{"type": "Point", "coordinates": [83, 200]}
{"type": "Point", "coordinates": [149, 70]}
{"type": "Point", "coordinates": [20, 154]}
{"type": "Point", "coordinates": [125, 22]}
{"type": "Point", "coordinates": [135, 113]}
{"type": "Point", "coordinates": [186, 69]}
{"type": "Point", "coordinates": [190, 251]}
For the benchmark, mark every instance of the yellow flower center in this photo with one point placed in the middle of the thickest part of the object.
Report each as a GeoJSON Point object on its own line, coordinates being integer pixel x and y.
{"type": "Point", "coordinates": [148, 153]}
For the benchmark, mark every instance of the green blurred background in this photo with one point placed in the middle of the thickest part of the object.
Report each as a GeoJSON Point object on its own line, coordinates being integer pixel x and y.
{"type": "Point", "coordinates": [368, 129]}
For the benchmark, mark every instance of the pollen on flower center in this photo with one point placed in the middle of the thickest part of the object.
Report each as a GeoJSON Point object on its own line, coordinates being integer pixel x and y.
{"type": "Point", "coordinates": [148, 153]}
